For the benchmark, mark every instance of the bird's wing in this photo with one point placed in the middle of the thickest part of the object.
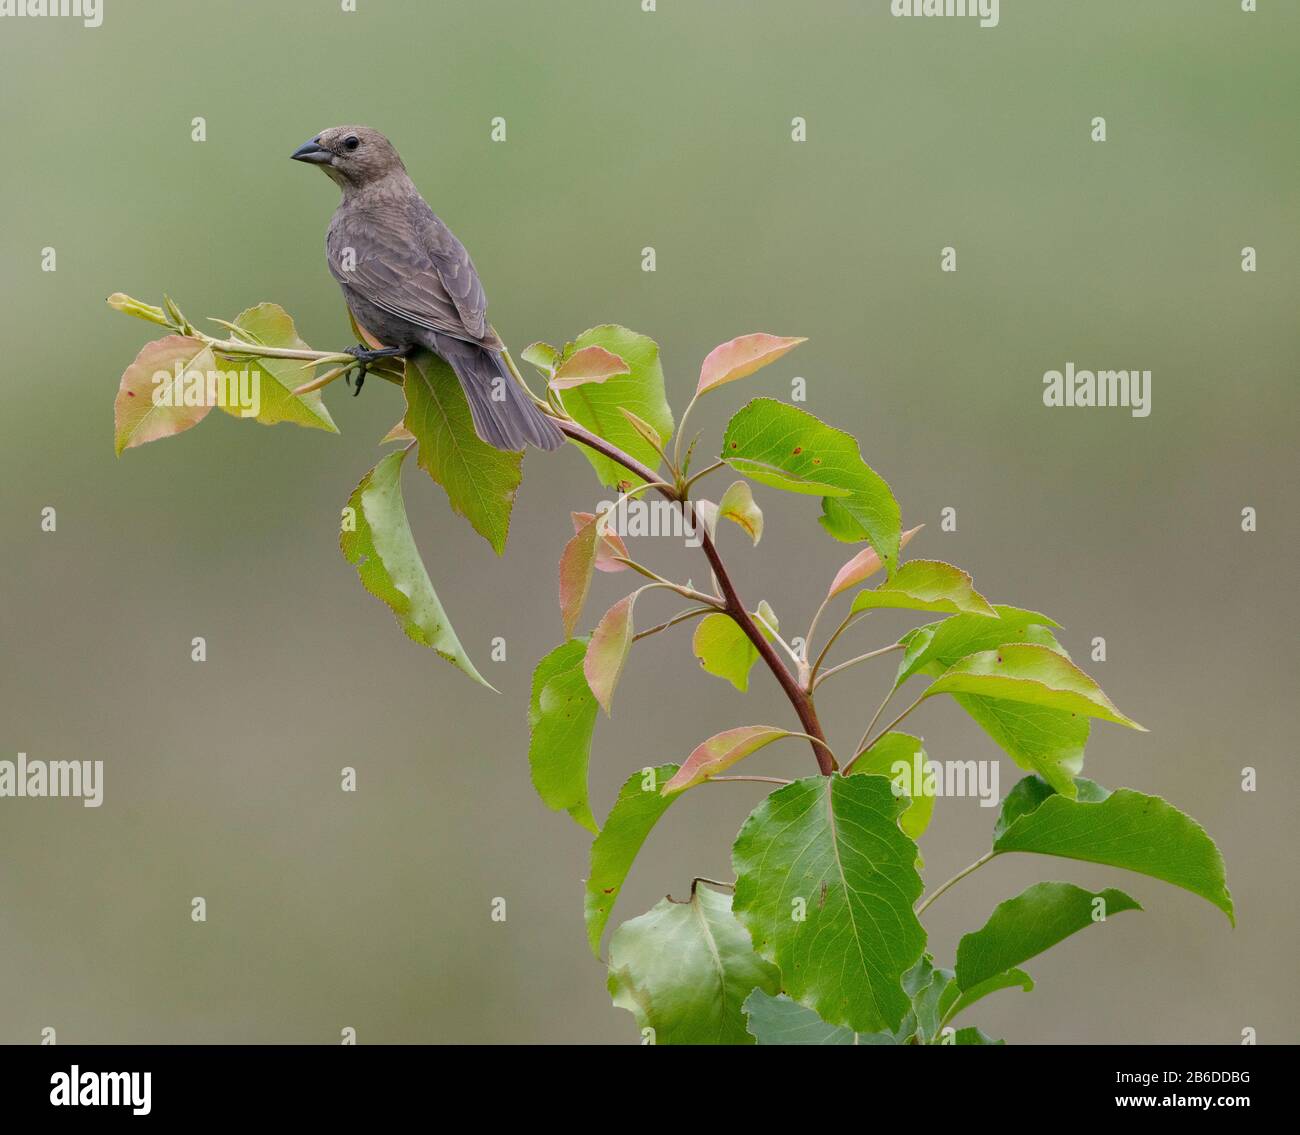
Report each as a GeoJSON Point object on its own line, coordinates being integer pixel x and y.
{"type": "Point", "coordinates": [404, 260]}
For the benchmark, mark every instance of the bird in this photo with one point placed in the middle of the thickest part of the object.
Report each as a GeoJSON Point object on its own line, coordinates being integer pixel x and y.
{"type": "Point", "coordinates": [410, 283]}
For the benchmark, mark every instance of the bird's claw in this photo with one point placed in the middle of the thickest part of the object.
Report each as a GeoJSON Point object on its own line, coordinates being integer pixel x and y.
{"type": "Point", "coordinates": [365, 356]}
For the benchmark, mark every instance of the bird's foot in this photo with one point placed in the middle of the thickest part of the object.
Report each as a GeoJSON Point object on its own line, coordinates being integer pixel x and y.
{"type": "Point", "coordinates": [365, 356]}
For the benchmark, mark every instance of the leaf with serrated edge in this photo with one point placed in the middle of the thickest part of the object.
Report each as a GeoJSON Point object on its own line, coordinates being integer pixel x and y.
{"type": "Point", "coordinates": [1035, 920]}
{"type": "Point", "coordinates": [972, 1035]}
{"type": "Point", "coordinates": [561, 717]}
{"type": "Point", "coordinates": [741, 357]}
{"type": "Point", "coordinates": [1038, 738]}
{"type": "Point", "coordinates": [591, 364]}
{"type": "Point", "coordinates": [883, 758]}
{"type": "Point", "coordinates": [780, 445]}
{"type": "Point", "coordinates": [541, 355]}
{"type": "Point", "coordinates": [383, 551]}
{"type": "Point", "coordinates": [271, 326]}
{"type": "Point", "coordinates": [608, 650]}
{"type": "Point", "coordinates": [138, 418]}
{"type": "Point", "coordinates": [720, 752]}
{"type": "Point", "coordinates": [832, 844]}
{"type": "Point", "coordinates": [737, 505]}
{"type": "Point", "coordinates": [638, 808]}
{"type": "Point", "coordinates": [778, 1020]}
{"type": "Point", "coordinates": [684, 970]}
{"type": "Point", "coordinates": [932, 648]}
{"type": "Point", "coordinates": [1123, 828]}
{"type": "Point", "coordinates": [955, 1000]}
{"type": "Point", "coordinates": [480, 481]}
{"type": "Point", "coordinates": [864, 565]}
{"type": "Point", "coordinates": [599, 406]}
{"type": "Point", "coordinates": [1029, 673]}
{"type": "Point", "coordinates": [926, 585]}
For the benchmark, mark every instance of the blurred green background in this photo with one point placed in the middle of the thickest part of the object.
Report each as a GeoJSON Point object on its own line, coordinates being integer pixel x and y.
{"type": "Point", "coordinates": [629, 129]}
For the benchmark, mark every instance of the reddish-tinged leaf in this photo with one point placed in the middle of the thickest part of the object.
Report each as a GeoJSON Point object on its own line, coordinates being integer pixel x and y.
{"type": "Point", "coordinates": [181, 366]}
{"type": "Point", "coordinates": [398, 433]}
{"type": "Point", "coordinates": [610, 546]}
{"type": "Point", "coordinates": [741, 357]}
{"type": "Point", "coordinates": [864, 565]}
{"type": "Point", "coordinates": [720, 752]}
{"type": "Point", "coordinates": [576, 564]}
{"type": "Point", "coordinates": [591, 364]}
{"type": "Point", "coordinates": [607, 650]}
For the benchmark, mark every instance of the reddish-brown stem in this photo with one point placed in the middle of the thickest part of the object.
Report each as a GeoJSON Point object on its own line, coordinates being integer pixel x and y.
{"type": "Point", "coordinates": [799, 698]}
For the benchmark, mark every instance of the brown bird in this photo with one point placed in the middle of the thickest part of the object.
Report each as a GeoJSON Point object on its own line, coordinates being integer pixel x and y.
{"type": "Point", "coordinates": [410, 283]}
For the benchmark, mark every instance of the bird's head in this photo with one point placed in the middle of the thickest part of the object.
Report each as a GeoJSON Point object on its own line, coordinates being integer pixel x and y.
{"type": "Point", "coordinates": [353, 156]}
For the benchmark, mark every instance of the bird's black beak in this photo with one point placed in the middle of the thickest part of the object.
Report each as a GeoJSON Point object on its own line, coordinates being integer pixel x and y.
{"type": "Point", "coordinates": [311, 152]}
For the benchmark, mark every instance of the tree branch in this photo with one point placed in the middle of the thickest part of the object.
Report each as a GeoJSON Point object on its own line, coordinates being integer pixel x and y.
{"type": "Point", "coordinates": [799, 698]}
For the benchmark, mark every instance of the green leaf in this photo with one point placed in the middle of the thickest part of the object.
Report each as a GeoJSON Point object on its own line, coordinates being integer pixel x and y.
{"type": "Point", "coordinates": [380, 546]}
{"type": "Point", "coordinates": [741, 357]}
{"type": "Point", "coordinates": [608, 650]}
{"type": "Point", "coordinates": [597, 405]}
{"type": "Point", "coordinates": [924, 983]}
{"type": "Point", "coordinates": [926, 585]}
{"type": "Point", "coordinates": [778, 1020]}
{"type": "Point", "coordinates": [1025, 672]}
{"type": "Point", "coordinates": [973, 1035]}
{"type": "Point", "coordinates": [1120, 829]}
{"type": "Point", "coordinates": [561, 717]}
{"type": "Point", "coordinates": [787, 448]}
{"type": "Point", "coordinates": [685, 969]}
{"type": "Point", "coordinates": [1035, 920]}
{"type": "Point", "coordinates": [883, 759]}
{"type": "Point", "coordinates": [956, 1000]}
{"type": "Point", "coordinates": [480, 480]}
{"type": "Point", "coordinates": [829, 848]}
{"type": "Point", "coordinates": [1038, 738]}
{"type": "Point", "coordinates": [635, 813]}
{"type": "Point", "coordinates": [720, 752]}
{"type": "Point", "coordinates": [931, 649]}
{"type": "Point", "coordinates": [141, 412]}
{"type": "Point", "coordinates": [725, 651]}
{"type": "Point", "coordinates": [577, 562]}
{"type": "Point", "coordinates": [271, 326]}
{"type": "Point", "coordinates": [541, 355]}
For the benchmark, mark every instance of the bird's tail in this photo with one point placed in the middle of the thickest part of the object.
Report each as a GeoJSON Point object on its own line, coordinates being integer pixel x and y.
{"type": "Point", "coordinates": [504, 416]}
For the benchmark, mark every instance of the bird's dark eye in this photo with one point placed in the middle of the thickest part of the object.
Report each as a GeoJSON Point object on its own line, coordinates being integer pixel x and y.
{"type": "Point", "coordinates": [351, 142]}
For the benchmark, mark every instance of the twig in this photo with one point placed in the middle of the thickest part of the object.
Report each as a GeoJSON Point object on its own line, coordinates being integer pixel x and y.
{"type": "Point", "coordinates": [799, 698]}
{"type": "Point", "coordinates": [957, 878]}
{"type": "Point", "coordinates": [853, 662]}
{"type": "Point", "coordinates": [679, 618]}
{"type": "Point", "coordinates": [863, 745]}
